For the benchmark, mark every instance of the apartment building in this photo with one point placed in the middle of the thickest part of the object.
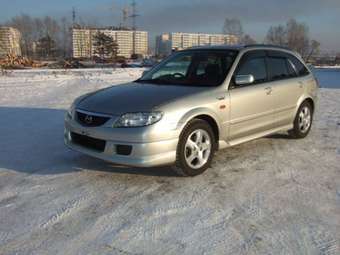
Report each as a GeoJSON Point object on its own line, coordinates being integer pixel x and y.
{"type": "Point", "coordinates": [129, 42]}
{"type": "Point", "coordinates": [168, 42]}
{"type": "Point", "coordinates": [9, 41]}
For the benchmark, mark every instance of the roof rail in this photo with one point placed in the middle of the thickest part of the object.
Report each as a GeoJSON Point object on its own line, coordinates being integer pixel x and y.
{"type": "Point", "coordinates": [266, 45]}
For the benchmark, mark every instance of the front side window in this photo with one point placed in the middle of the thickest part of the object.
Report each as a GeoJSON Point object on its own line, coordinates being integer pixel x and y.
{"type": "Point", "coordinates": [193, 68]}
{"type": "Point", "coordinates": [254, 66]}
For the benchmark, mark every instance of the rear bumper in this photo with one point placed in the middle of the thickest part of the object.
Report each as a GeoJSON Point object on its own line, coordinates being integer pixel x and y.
{"type": "Point", "coordinates": [143, 154]}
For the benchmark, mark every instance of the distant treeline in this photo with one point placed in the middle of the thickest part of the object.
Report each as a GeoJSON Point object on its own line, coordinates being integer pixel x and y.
{"type": "Point", "coordinates": [48, 38]}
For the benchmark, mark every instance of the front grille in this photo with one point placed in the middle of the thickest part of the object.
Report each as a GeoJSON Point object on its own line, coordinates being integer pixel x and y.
{"type": "Point", "coordinates": [91, 119]}
{"type": "Point", "coordinates": [88, 142]}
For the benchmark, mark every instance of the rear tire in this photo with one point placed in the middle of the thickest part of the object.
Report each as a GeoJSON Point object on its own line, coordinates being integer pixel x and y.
{"type": "Point", "coordinates": [195, 149]}
{"type": "Point", "coordinates": [303, 121]}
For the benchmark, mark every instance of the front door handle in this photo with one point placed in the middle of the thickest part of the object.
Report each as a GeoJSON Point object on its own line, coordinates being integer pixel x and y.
{"type": "Point", "coordinates": [220, 97]}
{"type": "Point", "coordinates": [269, 90]}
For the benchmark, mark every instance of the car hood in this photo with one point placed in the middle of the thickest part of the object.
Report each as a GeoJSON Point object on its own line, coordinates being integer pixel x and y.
{"type": "Point", "coordinates": [134, 97]}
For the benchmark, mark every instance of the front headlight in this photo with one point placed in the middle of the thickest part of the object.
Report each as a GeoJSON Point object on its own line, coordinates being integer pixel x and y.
{"type": "Point", "coordinates": [70, 111]}
{"type": "Point", "coordinates": [139, 119]}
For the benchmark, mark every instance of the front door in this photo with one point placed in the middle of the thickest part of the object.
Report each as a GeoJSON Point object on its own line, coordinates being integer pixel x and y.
{"type": "Point", "coordinates": [251, 105]}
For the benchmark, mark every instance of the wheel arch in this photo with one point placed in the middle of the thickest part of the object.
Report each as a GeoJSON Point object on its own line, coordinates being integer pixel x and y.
{"type": "Point", "coordinates": [305, 99]}
{"type": "Point", "coordinates": [203, 114]}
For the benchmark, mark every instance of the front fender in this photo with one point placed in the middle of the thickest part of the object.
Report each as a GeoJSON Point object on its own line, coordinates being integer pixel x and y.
{"type": "Point", "coordinates": [197, 112]}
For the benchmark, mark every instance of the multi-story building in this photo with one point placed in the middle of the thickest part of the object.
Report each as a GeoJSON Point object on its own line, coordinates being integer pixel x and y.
{"type": "Point", "coordinates": [168, 42]}
{"type": "Point", "coordinates": [9, 41]}
{"type": "Point", "coordinates": [129, 42]}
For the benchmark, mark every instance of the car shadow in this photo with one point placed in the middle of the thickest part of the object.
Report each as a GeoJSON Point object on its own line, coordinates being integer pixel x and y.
{"type": "Point", "coordinates": [281, 136]}
{"type": "Point", "coordinates": [31, 141]}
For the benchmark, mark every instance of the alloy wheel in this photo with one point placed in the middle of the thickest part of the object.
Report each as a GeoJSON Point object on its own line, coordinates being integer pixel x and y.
{"type": "Point", "coordinates": [305, 118]}
{"type": "Point", "coordinates": [198, 148]}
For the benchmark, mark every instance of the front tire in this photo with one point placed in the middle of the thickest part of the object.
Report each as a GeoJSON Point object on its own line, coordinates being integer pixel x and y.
{"type": "Point", "coordinates": [303, 121]}
{"type": "Point", "coordinates": [195, 149]}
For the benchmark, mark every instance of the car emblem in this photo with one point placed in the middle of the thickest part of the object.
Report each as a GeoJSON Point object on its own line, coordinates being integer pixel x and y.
{"type": "Point", "coordinates": [88, 119]}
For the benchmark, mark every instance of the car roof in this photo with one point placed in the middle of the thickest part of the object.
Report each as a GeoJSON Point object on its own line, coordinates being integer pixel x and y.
{"type": "Point", "coordinates": [242, 47]}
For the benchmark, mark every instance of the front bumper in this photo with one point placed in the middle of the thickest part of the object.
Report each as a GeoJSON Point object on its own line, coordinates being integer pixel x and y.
{"type": "Point", "coordinates": [144, 153]}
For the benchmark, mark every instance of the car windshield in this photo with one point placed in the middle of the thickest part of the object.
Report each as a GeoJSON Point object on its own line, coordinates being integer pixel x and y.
{"type": "Point", "coordinates": [192, 68]}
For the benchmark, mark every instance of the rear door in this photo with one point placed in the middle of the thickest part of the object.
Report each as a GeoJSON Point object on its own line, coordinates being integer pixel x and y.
{"type": "Point", "coordinates": [287, 86]}
{"type": "Point", "coordinates": [251, 106]}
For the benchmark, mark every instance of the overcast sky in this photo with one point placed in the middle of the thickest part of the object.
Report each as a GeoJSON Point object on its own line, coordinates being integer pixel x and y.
{"type": "Point", "coordinates": [206, 16]}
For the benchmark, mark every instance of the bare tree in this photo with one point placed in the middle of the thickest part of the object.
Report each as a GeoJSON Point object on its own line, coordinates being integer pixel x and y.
{"type": "Point", "coordinates": [276, 35]}
{"type": "Point", "coordinates": [247, 39]}
{"type": "Point", "coordinates": [298, 37]}
{"type": "Point", "coordinates": [65, 41]}
{"type": "Point", "coordinates": [35, 29]}
{"type": "Point", "coordinates": [314, 49]}
{"type": "Point", "coordinates": [294, 35]}
{"type": "Point", "coordinates": [233, 26]}
{"type": "Point", "coordinates": [46, 48]}
{"type": "Point", "coordinates": [24, 24]}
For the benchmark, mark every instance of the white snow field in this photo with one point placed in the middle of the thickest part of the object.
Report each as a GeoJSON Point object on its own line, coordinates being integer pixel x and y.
{"type": "Point", "coordinates": [274, 195]}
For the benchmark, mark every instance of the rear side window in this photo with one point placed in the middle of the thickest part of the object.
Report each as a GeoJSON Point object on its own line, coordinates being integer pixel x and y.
{"type": "Point", "coordinates": [299, 67]}
{"type": "Point", "coordinates": [278, 68]}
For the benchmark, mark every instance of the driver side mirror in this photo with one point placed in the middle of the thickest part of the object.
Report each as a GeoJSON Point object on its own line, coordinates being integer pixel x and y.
{"type": "Point", "coordinates": [244, 79]}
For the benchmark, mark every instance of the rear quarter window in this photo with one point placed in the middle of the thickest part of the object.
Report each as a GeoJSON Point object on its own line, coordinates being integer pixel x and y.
{"type": "Point", "coordinates": [299, 67]}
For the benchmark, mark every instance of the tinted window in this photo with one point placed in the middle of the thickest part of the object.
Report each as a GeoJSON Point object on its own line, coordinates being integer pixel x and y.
{"type": "Point", "coordinates": [255, 66]}
{"type": "Point", "coordinates": [299, 67]}
{"type": "Point", "coordinates": [278, 68]}
{"type": "Point", "coordinates": [192, 68]}
{"type": "Point", "coordinates": [209, 61]}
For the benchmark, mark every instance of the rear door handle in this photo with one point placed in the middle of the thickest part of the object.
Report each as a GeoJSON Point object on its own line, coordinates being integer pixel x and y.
{"type": "Point", "coordinates": [269, 90]}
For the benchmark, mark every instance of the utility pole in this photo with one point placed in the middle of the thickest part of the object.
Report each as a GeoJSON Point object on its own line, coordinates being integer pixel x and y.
{"type": "Point", "coordinates": [112, 9]}
{"type": "Point", "coordinates": [125, 15]}
{"type": "Point", "coordinates": [73, 16]}
{"type": "Point", "coordinates": [134, 16]}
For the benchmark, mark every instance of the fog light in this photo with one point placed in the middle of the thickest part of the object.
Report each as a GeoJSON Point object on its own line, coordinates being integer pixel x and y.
{"type": "Point", "coordinates": [124, 150]}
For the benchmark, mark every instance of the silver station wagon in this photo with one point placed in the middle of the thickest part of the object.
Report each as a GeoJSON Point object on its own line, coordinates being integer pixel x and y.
{"type": "Point", "coordinates": [194, 103]}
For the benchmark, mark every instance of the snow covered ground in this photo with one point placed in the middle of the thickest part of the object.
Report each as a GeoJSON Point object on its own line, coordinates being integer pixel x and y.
{"type": "Point", "coordinates": [270, 196]}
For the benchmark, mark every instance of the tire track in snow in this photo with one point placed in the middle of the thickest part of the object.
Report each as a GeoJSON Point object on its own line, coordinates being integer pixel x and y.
{"type": "Point", "coordinates": [324, 242]}
{"type": "Point", "coordinates": [70, 207]}
{"type": "Point", "coordinates": [104, 224]}
{"type": "Point", "coordinates": [197, 197]}
{"type": "Point", "coordinates": [3, 237]}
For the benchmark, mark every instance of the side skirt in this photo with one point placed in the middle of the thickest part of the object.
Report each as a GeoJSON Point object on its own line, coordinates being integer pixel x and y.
{"type": "Point", "coordinates": [224, 144]}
